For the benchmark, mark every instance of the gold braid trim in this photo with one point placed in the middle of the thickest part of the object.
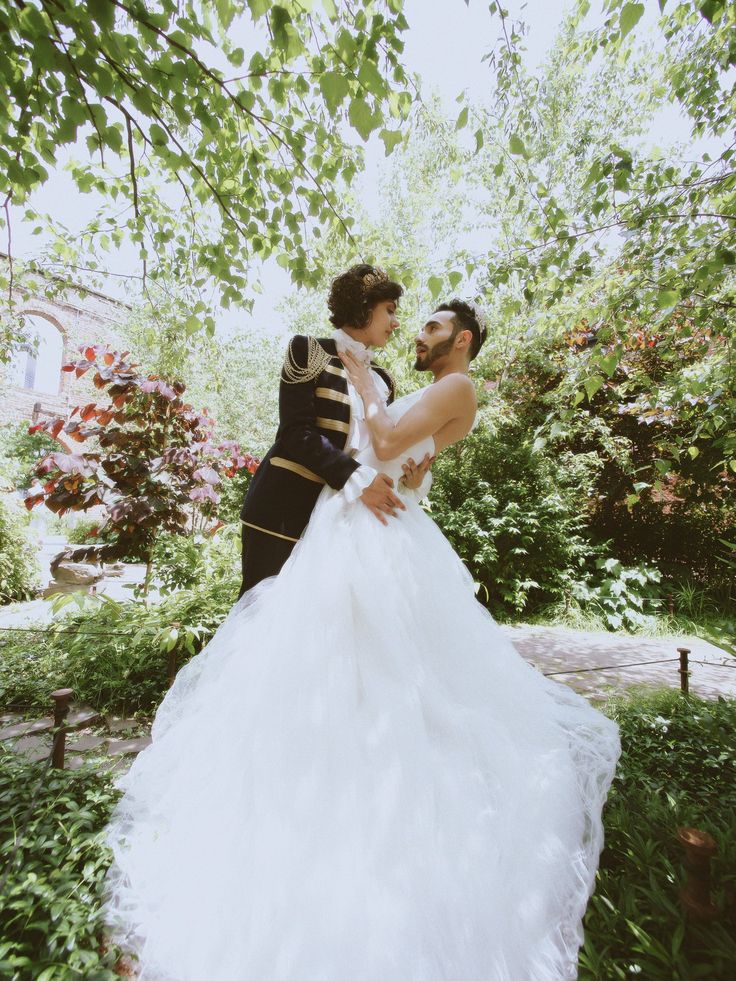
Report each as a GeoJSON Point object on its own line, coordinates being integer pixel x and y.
{"type": "Point", "coordinates": [317, 360]}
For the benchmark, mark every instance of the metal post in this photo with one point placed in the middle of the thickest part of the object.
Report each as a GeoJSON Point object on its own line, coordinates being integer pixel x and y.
{"type": "Point", "coordinates": [695, 894]}
{"type": "Point", "coordinates": [671, 604]}
{"type": "Point", "coordinates": [683, 669]}
{"type": "Point", "coordinates": [61, 697]}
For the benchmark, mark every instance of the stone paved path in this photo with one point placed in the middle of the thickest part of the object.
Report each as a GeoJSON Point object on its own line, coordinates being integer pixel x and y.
{"type": "Point", "coordinates": [561, 649]}
{"type": "Point", "coordinates": [104, 742]}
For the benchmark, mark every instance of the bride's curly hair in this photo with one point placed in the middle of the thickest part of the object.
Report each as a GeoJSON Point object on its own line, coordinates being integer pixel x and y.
{"type": "Point", "coordinates": [355, 293]}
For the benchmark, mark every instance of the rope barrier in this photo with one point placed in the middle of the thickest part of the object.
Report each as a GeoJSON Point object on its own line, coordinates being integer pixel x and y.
{"type": "Point", "coordinates": [634, 664]}
{"type": "Point", "coordinates": [82, 633]}
{"type": "Point", "coordinates": [607, 667]}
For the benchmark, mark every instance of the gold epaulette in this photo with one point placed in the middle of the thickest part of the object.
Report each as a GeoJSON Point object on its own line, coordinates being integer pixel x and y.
{"type": "Point", "coordinates": [317, 360]}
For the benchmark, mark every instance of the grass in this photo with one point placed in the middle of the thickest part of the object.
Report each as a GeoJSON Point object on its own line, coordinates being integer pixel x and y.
{"type": "Point", "coordinates": [53, 847]}
{"type": "Point", "coordinates": [678, 768]}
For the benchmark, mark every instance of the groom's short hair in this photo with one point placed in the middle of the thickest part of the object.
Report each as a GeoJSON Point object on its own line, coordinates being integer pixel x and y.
{"type": "Point", "coordinates": [465, 318]}
{"type": "Point", "coordinates": [354, 293]}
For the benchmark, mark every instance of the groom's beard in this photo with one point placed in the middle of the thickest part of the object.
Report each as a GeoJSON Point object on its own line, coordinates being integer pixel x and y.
{"type": "Point", "coordinates": [425, 361]}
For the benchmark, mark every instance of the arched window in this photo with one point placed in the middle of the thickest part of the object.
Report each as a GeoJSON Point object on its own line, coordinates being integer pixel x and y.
{"type": "Point", "coordinates": [38, 364]}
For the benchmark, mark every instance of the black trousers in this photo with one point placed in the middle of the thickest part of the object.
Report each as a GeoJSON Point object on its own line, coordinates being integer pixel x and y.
{"type": "Point", "coordinates": [263, 555]}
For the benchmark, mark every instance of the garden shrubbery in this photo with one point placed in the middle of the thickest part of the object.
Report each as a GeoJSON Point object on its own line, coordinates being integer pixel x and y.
{"type": "Point", "coordinates": [677, 769]}
{"type": "Point", "coordinates": [561, 505]}
{"type": "Point", "coordinates": [18, 562]}
{"type": "Point", "coordinates": [115, 655]}
{"type": "Point", "coordinates": [50, 917]}
{"type": "Point", "coordinates": [518, 527]}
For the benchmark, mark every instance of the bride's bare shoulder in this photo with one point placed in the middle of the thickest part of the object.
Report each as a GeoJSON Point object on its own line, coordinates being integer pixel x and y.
{"type": "Point", "coordinates": [458, 386]}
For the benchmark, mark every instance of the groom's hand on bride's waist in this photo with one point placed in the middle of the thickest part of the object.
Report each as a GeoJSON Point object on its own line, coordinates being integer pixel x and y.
{"type": "Point", "coordinates": [379, 498]}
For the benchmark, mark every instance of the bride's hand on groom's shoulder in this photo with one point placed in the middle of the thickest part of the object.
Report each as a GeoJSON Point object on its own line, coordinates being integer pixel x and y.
{"type": "Point", "coordinates": [359, 374]}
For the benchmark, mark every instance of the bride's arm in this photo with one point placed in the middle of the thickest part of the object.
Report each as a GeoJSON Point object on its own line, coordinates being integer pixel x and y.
{"type": "Point", "coordinates": [446, 400]}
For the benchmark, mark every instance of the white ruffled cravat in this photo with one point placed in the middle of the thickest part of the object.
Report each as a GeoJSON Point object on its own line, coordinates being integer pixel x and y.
{"type": "Point", "coordinates": [345, 342]}
{"type": "Point", "coordinates": [359, 436]}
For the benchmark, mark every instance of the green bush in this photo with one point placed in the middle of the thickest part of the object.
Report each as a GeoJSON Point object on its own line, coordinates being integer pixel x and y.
{"type": "Point", "coordinates": [510, 517]}
{"type": "Point", "coordinates": [652, 482]}
{"type": "Point", "coordinates": [83, 530]}
{"type": "Point", "coordinates": [677, 768]}
{"type": "Point", "coordinates": [232, 493]}
{"type": "Point", "coordinates": [20, 451]}
{"type": "Point", "coordinates": [620, 593]}
{"type": "Point", "coordinates": [18, 563]}
{"type": "Point", "coordinates": [50, 917]}
{"type": "Point", "coordinates": [184, 561]}
{"type": "Point", "coordinates": [114, 655]}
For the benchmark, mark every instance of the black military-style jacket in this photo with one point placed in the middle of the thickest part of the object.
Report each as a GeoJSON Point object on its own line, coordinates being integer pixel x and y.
{"type": "Point", "coordinates": [314, 423]}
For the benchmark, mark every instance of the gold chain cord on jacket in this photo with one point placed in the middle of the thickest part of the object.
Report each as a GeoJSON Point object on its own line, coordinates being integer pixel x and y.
{"type": "Point", "coordinates": [317, 361]}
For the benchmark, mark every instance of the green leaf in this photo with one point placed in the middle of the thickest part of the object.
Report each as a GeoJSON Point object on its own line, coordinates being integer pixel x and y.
{"type": "Point", "coordinates": [462, 119]}
{"type": "Point", "coordinates": [102, 12]}
{"type": "Point", "coordinates": [391, 138]}
{"type": "Point", "coordinates": [330, 9]}
{"type": "Point", "coordinates": [158, 135]}
{"type": "Point", "coordinates": [711, 10]}
{"type": "Point", "coordinates": [370, 77]}
{"type": "Point", "coordinates": [591, 385]}
{"type": "Point", "coordinates": [334, 87]}
{"type": "Point", "coordinates": [609, 363]}
{"type": "Point", "coordinates": [667, 298]}
{"type": "Point", "coordinates": [361, 117]}
{"type": "Point", "coordinates": [434, 284]}
{"type": "Point", "coordinates": [516, 146]}
{"type": "Point", "coordinates": [630, 15]}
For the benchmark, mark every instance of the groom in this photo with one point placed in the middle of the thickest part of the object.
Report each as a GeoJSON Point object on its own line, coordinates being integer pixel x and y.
{"type": "Point", "coordinates": [322, 427]}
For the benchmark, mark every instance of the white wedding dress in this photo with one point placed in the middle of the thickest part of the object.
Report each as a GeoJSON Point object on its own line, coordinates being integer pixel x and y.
{"type": "Point", "coordinates": [359, 779]}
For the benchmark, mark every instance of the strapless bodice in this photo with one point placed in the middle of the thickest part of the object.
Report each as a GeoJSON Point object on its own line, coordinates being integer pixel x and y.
{"type": "Point", "coordinates": [392, 468]}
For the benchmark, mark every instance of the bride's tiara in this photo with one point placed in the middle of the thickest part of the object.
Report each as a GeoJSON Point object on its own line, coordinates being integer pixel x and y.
{"type": "Point", "coordinates": [372, 279]}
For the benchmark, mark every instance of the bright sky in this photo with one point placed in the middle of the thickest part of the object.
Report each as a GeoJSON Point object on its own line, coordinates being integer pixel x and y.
{"type": "Point", "coordinates": [445, 44]}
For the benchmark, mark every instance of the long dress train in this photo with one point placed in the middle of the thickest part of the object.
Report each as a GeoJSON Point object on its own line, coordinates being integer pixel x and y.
{"type": "Point", "coordinates": [359, 779]}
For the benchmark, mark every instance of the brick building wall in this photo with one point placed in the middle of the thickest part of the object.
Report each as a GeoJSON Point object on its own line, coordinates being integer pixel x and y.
{"type": "Point", "coordinates": [80, 316]}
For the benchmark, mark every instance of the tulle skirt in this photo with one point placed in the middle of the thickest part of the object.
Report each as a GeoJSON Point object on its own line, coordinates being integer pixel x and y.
{"type": "Point", "coordinates": [359, 779]}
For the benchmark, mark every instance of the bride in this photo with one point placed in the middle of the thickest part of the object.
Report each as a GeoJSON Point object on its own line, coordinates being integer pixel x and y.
{"type": "Point", "coordinates": [359, 779]}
